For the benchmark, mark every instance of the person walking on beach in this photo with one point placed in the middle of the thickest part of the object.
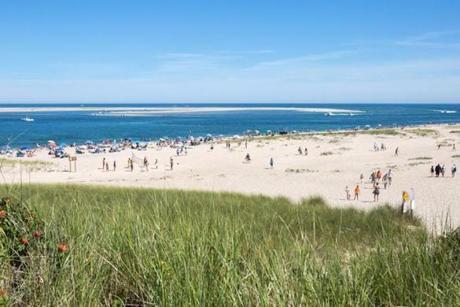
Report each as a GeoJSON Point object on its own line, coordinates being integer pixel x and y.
{"type": "Point", "coordinates": [171, 163]}
{"type": "Point", "coordinates": [397, 151]}
{"type": "Point", "coordinates": [107, 167]}
{"type": "Point", "coordinates": [437, 170]}
{"type": "Point", "coordinates": [103, 163]}
{"type": "Point", "coordinates": [114, 165]}
{"type": "Point", "coordinates": [453, 170]}
{"type": "Point", "coordinates": [390, 177]}
{"type": "Point", "coordinates": [156, 163]}
{"type": "Point", "coordinates": [361, 178]}
{"type": "Point", "coordinates": [271, 162]}
{"type": "Point", "coordinates": [432, 171]}
{"type": "Point", "coordinates": [376, 192]}
{"type": "Point", "coordinates": [357, 192]}
{"type": "Point", "coordinates": [306, 151]}
{"type": "Point", "coordinates": [443, 170]}
{"type": "Point", "coordinates": [347, 192]}
{"type": "Point", "coordinates": [385, 181]}
{"type": "Point", "coordinates": [411, 202]}
{"type": "Point", "coordinates": [299, 150]}
{"type": "Point", "coordinates": [131, 164]}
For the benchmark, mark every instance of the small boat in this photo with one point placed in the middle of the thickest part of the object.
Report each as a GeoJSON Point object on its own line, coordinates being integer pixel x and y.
{"type": "Point", "coordinates": [328, 114]}
{"type": "Point", "coordinates": [27, 119]}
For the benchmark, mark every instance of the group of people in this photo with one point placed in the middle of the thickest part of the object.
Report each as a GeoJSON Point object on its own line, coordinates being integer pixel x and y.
{"type": "Point", "coordinates": [105, 165]}
{"type": "Point", "coordinates": [381, 147]}
{"type": "Point", "coordinates": [304, 152]}
{"type": "Point", "coordinates": [182, 150]}
{"type": "Point", "coordinates": [375, 178]}
{"type": "Point", "coordinates": [439, 170]}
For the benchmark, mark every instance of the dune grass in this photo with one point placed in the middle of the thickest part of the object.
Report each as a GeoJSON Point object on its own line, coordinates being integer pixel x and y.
{"type": "Point", "coordinates": [156, 247]}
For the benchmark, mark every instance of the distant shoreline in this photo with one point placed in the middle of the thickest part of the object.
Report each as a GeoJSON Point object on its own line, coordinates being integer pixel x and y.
{"type": "Point", "coordinates": [169, 110]}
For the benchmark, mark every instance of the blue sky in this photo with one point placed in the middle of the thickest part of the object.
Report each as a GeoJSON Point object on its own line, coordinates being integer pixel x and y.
{"type": "Point", "coordinates": [230, 51]}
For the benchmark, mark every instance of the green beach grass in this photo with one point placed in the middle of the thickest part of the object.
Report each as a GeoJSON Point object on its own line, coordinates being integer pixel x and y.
{"type": "Point", "coordinates": [175, 248]}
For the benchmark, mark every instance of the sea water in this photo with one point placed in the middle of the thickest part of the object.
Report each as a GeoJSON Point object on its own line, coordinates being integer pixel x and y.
{"type": "Point", "coordinates": [79, 126]}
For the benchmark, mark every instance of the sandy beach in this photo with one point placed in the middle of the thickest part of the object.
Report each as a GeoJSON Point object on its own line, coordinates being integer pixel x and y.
{"type": "Point", "coordinates": [334, 161]}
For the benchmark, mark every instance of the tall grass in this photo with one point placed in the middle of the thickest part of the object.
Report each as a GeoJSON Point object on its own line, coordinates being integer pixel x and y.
{"type": "Point", "coordinates": [153, 247]}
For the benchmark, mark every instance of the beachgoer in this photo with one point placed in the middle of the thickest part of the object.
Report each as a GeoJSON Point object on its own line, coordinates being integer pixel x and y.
{"type": "Point", "coordinates": [439, 146]}
{"type": "Point", "coordinates": [347, 192]}
{"type": "Point", "coordinates": [443, 170]}
{"type": "Point", "coordinates": [114, 165]}
{"type": "Point", "coordinates": [246, 144]}
{"type": "Point", "coordinates": [306, 151]}
{"type": "Point", "coordinates": [171, 163]}
{"type": "Point", "coordinates": [437, 170]}
{"type": "Point", "coordinates": [361, 178]}
{"type": "Point", "coordinates": [271, 162]}
{"type": "Point", "coordinates": [453, 170]}
{"type": "Point", "coordinates": [156, 163]}
{"type": "Point", "coordinates": [357, 192]}
{"type": "Point", "coordinates": [103, 163]}
{"type": "Point", "coordinates": [376, 192]}
{"type": "Point", "coordinates": [411, 202]}
{"type": "Point", "coordinates": [177, 151]}
{"type": "Point", "coordinates": [248, 157]}
{"type": "Point", "coordinates": [432, 171]}
{"type": "Point", "coordinates": [397, 151]}
{"type": "Point", "coordinates": [107, 167]}
{"type": "Point", "coordinates": [372, 177]}
{"type": "Point", "coordinates": [385, 181]}
{"type": "Point", "coordinates": [131, 164]}
{"type": "Point", "coordinates": [405, 202]}
{"type": "Point", "coordinates": [299, 150]}
{"type": "Point", "coordinates": [390, 177]}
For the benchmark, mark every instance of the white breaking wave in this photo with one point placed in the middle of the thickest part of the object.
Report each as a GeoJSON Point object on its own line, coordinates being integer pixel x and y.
{"type": "Point", "coordinates": [445, 111]}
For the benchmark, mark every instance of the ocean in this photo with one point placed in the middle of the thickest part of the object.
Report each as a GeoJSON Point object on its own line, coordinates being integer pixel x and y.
{"type": "Point", "coordinates": [68, 127]}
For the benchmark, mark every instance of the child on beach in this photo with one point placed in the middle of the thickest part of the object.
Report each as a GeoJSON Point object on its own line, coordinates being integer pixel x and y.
{"type": "Point", "coordinates": [357, 192]}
